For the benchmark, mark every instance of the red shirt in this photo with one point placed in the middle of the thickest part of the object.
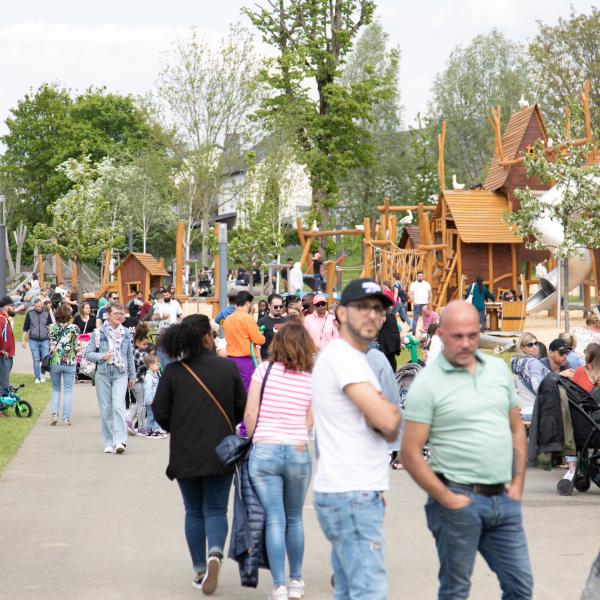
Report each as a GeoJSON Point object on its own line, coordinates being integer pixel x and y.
{"type": "Point", "coordinates": [582, 380]}
{"type": "Point", "coordinates": [7, 338]}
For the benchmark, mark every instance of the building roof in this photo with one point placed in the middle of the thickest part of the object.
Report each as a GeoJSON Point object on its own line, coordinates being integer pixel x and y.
{"type": "Point", "coordinates": [478, 215]}
{"type": "Point", "coordinates": [511, 142]}
{"type": "Point", "coordinates": [414, 234]}
{"type": "Point", "coordinates": [149, 262]}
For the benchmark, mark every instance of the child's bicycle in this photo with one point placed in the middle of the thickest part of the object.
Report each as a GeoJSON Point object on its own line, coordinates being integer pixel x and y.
{"type": "Point", "coordinates": [11, 398]}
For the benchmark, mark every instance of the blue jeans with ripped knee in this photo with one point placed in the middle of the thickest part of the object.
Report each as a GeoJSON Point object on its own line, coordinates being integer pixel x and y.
{"type": "Point", "coordinates": [353, 523]}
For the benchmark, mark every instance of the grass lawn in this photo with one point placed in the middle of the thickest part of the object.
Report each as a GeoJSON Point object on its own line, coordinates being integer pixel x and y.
{"type": "Point", "coordinates": [14, 430]}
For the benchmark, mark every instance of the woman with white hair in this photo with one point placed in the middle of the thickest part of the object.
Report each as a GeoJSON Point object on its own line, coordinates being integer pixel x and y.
{"type": "Point", "coordinates": [296, 279]}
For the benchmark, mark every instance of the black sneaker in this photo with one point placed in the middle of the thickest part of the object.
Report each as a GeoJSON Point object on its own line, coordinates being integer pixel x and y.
{"type": "Point", "coordinates": [199, 580]}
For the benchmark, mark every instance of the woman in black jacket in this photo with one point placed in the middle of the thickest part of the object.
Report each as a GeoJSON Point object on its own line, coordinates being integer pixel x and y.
{"type": "Point", "coordinates": [197, 425]}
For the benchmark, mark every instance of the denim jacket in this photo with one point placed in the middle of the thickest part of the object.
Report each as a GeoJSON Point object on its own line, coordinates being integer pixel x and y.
{"type": "Point", "coordinates": [95, 354]}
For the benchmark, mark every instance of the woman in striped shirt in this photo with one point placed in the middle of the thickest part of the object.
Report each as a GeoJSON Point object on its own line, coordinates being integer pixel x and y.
{"type": "Point", "coordinates": [280, 462]}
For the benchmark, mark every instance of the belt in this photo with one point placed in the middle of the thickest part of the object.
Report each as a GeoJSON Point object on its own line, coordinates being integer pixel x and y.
{"type": "Point", "coordinates": [482, 489]}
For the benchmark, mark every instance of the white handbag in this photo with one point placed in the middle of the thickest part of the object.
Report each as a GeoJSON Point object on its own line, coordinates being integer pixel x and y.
{"type": "Point", "coordinates": [470, 296]}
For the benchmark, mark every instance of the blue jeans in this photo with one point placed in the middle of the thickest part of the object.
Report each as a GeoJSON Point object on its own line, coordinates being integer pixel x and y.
{"type": "Point", "coordinates": [481, 319]}
{"type": "Point", "coordinates": [110, 392]}
{"type": "Point", "coordinates": [5, 369]}
{"type": "Point", "coordinates": [491, 525]}
{"type": "Point", "coordinates": [280, 475]}
{"type": "Point", "coordinates": [417, 308]}
{"type": "Point", "coordinates": [205, 500]}
{"type": "Point", "coordinates": [151, 424]}
{"type": "Point", "coordinates": [400, 309]}
{"type": "Point", "coordinates": [39, 349]}
{"type": "Point", "coordinates": [353, 523]}
{"type": "Point", "coordinates": [67, 372]}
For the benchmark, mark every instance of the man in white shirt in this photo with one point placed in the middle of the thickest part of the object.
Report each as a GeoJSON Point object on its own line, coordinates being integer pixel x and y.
{"type": "Point", "coordinates": [174, 308]}
{"type": "Point", "coordinates": [353, 422]}
{"type": "Point", "coordinates": [419, 294]}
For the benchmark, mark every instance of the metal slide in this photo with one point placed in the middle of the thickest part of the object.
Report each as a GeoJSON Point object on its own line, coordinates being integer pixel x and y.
{"type": "Point", "coordinates": [550, 233]}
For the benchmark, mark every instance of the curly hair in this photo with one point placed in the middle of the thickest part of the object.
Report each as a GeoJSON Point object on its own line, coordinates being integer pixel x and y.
{"type": "Point", "coordinates": [63, 313]}
{"type": "Point", "coordinates": [185, 339]}
{"type": "Point", "coordinates": [141, 332]}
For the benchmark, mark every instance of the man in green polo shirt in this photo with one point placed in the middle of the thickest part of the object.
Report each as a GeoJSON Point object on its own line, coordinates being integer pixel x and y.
{"type": "Point", "coordinates": [465, 404]}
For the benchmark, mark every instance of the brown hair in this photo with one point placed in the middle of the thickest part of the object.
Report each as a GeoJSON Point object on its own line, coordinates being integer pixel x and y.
{"type": "Point", "coordinates": [63, 313]}
{"type": "Point", "coordinates": [114, 306]}
{"type": "Point", "coordinates": [592, 359]}
{"type": "Point", "coordinates": [592, 318]}
{"type": "Point", "coordinates": [293, 347]}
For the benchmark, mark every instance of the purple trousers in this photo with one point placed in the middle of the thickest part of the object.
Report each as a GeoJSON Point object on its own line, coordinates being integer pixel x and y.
{"type": "Point", "coordinates": [246, 367]}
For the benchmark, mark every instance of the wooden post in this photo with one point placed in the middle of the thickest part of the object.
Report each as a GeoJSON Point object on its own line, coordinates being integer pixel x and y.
{"type": "Point", "coordinates": [459, 271]}
{"type": "Point", "coordinates": [491, 267]}
{"type": "Point", "coordinates": [366, 272]}
{"type": "Point", "coordinates": [74, 275]}
{"type": "Point", "coordinates": [179, 261]}
{"type": "Point", "coordinates": [300, 232]}
{"type": "Point", "coordinates": [58, 270]}
{"type": "Point", "coordinates": [394, 229]}
{"type": "Point", "coordinates": [305, 253]}
{"type": "Point", "coordinates": [386, 219]}
{"type": "Point", "coordinates": [122, 297]}
{"type": "Point", "coordinates": [330, 283]}
{"type": "Point", "coordinates": [513, 260]}
{"type": "Point", "coordinates": [41, 271]}
{"type": "Point", "coordinates": [105, 272]}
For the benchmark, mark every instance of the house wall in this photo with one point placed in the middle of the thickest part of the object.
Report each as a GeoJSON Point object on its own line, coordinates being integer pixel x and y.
{"type": "Point", "coordinates": [475, 262]}
{"type": "Point", "coordinates": [132, 271]}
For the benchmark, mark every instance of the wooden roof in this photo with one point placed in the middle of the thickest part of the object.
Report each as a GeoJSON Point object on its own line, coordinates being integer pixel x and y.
{"type": "Point", "coordinates": [149, 263]}
{"type": "Point", "coordinates": [478, 214]}
{"type": "Point", "coordinates": [412, 233]}
{"type": "Point", "coordinates": [511, 142]}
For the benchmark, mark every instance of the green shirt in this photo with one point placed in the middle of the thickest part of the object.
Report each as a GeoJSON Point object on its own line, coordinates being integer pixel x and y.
{"type": "Point", "coordinates": [470, 436]}
{"type": "Point", "coordinates": [102, 302]}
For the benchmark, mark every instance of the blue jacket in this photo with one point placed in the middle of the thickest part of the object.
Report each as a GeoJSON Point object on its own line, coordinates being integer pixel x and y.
{"type": "Point", "coordinates": [224, 314]}
{"type": "Point", "coordinates": [95, 354]}
{"type": "Point", "coordinates": [478, 297]}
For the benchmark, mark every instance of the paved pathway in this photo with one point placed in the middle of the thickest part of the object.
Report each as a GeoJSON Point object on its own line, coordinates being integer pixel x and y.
{"type": "Point", "coordinates": [80, 524]}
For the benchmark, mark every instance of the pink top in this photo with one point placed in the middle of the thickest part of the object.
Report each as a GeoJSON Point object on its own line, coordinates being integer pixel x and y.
{"type": "Point", "coordinates": [285, 404]}
{"type": "Point", "coordinates": [322, 331]}
{"type": "Point", "coordinates": [430, 320]}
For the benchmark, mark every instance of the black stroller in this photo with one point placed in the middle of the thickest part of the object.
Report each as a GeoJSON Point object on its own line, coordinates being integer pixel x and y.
{"type": "Point", "coordinates": [585, 416]}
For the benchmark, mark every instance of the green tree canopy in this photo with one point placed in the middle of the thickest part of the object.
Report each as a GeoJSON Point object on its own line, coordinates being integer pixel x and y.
{"type": "Point", "coordinates": [564, 56]}
{"type": "Point", "coordinates": [491, 71]}
{"type": "Point", "coordinates": [50, 126]}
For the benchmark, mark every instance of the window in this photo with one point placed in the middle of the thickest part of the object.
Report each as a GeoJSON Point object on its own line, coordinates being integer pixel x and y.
{"type": "Point", "coordinates": [133, 287]}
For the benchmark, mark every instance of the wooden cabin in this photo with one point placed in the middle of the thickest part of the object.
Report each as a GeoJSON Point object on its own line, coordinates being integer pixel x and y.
{"type": "Point", "coordinates": [477, 242]}
{"type": "Point", "coordinates": [137, 272]}
{"type": "Point", "coordinates": [410, 238]}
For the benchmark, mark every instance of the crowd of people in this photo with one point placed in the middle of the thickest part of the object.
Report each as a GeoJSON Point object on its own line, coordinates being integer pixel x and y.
{"type": "Point", "coordinates": [297, 369]}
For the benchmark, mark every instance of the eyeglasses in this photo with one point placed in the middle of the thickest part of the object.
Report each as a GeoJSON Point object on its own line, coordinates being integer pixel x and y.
{"type": "Point", "coordinates": [530, 345]}
{"type": "Point", "coordinates": [276, 306]}
{"type": "Point", "coordinates": [321, 304]}
{"type": "Point", "coordinates": [367, 308]}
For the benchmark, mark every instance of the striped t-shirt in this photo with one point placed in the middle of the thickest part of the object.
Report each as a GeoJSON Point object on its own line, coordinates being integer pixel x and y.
{"type": "Point", "coordinates": [285, 404]}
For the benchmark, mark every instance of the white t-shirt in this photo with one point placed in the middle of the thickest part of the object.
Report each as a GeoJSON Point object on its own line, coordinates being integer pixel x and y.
{"type": "Point", "coordinates": [421, 292]}
{"type": "Point", "coordinates": [352, 457]}
{"type": "Point", "coordinates": [164, 312]}
{"type": "Point", "coordinates": [434, 349]}
{"type": "Point", "coordinates": [174, 310]}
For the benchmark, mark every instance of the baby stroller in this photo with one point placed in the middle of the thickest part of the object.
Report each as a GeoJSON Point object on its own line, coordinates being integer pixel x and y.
{"type": "Point", "coordinates": [585, 416]}
{"type": "Point", "coordinates": [82, 368]}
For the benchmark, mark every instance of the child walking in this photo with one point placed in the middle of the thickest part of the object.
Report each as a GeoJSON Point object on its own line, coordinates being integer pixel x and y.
{"type": "Point", "coordinates": [141, 349]}
{"type": "Point", "coordinates": [152, 363]}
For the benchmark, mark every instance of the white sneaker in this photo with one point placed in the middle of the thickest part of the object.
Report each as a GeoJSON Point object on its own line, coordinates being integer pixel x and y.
{"type": "Point", "coordinates": [279, 593]}
{"type": "Point", "coordinates": [43, 379]}
{"type": "Point", "coordinates": [119, 448]}
{"type": "Point", "coordinates": [36, 380]}
{"type": "Point", "coordinates": [109, 450]}
{"type": "Point", "coordinates": [296, 588]}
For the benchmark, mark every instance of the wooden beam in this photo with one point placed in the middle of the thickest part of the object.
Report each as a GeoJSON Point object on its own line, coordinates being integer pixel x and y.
{"type": "Point", "coordinates": [300, 232]}
{"type": "Point", "coordinates": [105, 271]}
{"type": "Point", "coordinates": [513, 261]}
{"type": "Point", "coordinates": [179, 260]}
{"type": "Point", "coordinates": [330, 283]}
{"type": "Point", "coordinates": [549, 150]}
{"type": "Point", "coordinates": [394, 229]}
{"type": "Point", "coordinates": [585, 100]}
{"type": "Point", "coordinates": [58, 270]}
{"type": "Point", "coordinates": [459, 269]}
{"type": "Point", "coordinates": [405, 208]}
{"type": "Point", "coordinates": [567, 123]}
{"type": "Point", "coordinates": [41, 271]}
{"type": "Point", "coordinates": [305, 253]}
{"type": "Point", "coordinates": [74, 275]}
{"type": "Point", "coordinates": [368, 250]}
{"type": "Point", "coordinates": [331, 233]}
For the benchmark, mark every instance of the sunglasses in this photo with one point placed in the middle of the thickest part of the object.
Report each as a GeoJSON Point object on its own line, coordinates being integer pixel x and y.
{"type": "Point", "coordinates": [321, 304]}
{"type": "Point", "coordinates": [276, 306]}
{"type": "Point", "coordinates": [530, 345]}
{"type": "Point", "coordinates": [563, 352]}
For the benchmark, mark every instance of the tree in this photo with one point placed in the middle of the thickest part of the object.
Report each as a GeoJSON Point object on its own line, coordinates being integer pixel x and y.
{"type": "Point", "coordinates": [313, 39]}
{"type": "Point", "coordinates": [563, 56]}
{"type": "Point", "coordinates": [209, 94]}
{"type": "Point", "coordinates": [491, 71]}
{"type": "Point", "coordinates": [50, 126]}
{"type": "Point", "coordinates": [79, 229]}
{"type": "Point", "coordinates": [577, 211]}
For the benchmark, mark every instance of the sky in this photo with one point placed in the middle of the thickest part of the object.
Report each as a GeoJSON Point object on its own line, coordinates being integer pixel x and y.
{"type": "Point", "coordinates": [120, 44]}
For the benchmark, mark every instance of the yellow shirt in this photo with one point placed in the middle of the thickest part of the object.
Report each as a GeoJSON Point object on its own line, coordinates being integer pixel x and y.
{"type": "Point", "coordinates": [241, 329]}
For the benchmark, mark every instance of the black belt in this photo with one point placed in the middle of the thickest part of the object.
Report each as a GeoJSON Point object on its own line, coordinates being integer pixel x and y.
{"type": "Point", "coordinates": [483, 489]}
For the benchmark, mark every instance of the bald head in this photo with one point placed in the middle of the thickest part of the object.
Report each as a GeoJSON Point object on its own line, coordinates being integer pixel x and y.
{"type": "Point", "coordinates": [459, 332]}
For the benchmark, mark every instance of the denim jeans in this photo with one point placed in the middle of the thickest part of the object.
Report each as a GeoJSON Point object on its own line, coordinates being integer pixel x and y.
{"type": "Point", "coordinates": [280, 475]}
{"type": "Point", "coordinates": [110, 392]}
{"type": "Point", "coordinates": [67, 373]}
{"type": "Point", "coordinates": [400, 309]}
{"type": "Point", "coordinates": [5, 369]}
{"type": "Point", "coordinates": [151, 424]}
{"type": "Point", "coordinates": [205, 500]}
{"type": "Point", "coordinates": [481, 319]}
{"type": "Point", "coordinates": [417, 308]}
{"type": "Point", "coordinates": [491, 525]}
{"type": "Point", "coordinates": [39, 349]}
{"type": "Point", "coordinates": [353, 523]}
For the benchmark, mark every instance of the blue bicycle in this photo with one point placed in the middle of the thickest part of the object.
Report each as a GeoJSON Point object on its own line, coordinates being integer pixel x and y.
{"type": "Point", "coordinates": [10, 398]}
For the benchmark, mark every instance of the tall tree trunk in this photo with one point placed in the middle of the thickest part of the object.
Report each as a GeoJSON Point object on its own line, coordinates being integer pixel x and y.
{"type": "Point", "coordinates": [79, 288]}
{"type": "Point", "coordinates": [205, 248]}
{"type": "Point", "coordinates": [566, 294]}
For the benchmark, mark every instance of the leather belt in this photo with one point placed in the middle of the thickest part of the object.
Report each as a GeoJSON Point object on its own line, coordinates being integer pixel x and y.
{"type": "Point", "coordinates": [482, 489]}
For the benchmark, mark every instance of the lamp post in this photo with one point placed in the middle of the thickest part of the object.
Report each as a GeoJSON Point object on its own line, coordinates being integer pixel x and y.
{"type": "Point", "coordinates": [223, 266]}
{"type": "Point", "coordinates": [2, 248]}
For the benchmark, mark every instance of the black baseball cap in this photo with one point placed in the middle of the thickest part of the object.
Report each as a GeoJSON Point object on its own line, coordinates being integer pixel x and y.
{"type": "Point", "coordinates": [359, 289]}
{"type": "Point", "coordinates": [557, 344]}
{"type": "Point", "coordinates": [6, 301]}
